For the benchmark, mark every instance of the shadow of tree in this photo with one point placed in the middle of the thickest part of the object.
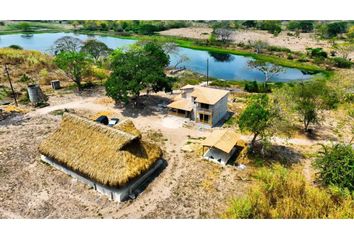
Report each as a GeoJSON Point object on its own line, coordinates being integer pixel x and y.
{"type": "Point", "coordinates": [147, 105]}
{"type": "Point", "coordinates": [286, 156]}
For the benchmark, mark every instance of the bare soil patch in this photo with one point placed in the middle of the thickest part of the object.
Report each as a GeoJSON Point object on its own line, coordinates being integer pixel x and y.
{"type": "Point", "coordinates": [294, 43]}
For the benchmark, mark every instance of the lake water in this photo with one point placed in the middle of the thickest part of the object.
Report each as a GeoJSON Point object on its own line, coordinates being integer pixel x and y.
{"type": "Point", "coordinates": [222, 66]}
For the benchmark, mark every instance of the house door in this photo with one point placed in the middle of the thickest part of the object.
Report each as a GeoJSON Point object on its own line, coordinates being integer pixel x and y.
{"type": "Point", "coordinates": [204, 118]}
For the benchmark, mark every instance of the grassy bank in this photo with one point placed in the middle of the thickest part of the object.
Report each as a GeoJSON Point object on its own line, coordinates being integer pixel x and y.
{"type": "Point", "coordinates": [33, 28]}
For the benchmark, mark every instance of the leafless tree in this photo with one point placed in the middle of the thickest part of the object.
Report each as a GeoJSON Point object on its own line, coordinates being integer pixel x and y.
{"type": "Point", "coordinates": [269, 70]}
{"type": "Point", "coordinates": [66, 43]}
{"type": "Point", "coordinates": [259, 46]}
{"type": "Point", "coordinates": [170, 48]}
{"type": "Point", "coordinates": [181, 59]}
{"type": "Point", "coordinates": [223, 34]}
{"type": "Point", "coordinates": [344, 49]}
{"type": "Point", "coordinates": [173, 49]}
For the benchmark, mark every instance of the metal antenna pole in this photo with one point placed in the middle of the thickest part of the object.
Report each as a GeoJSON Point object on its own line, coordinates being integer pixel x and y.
{"type": "Point", "coordinates": [12, 88]}
{"type": "Point", "coordinates": [207, 75]}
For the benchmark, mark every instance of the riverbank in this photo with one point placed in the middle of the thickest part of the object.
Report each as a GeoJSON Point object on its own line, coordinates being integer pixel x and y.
{"type": "Point", "coordinates": [20, 27]}
{"type": "Point", "coordinates": [196, 45]}
{"type": "Point", "coordinates": [193, 44]}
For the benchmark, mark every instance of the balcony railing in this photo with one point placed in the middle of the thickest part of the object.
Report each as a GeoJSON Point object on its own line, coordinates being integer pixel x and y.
{"type": "Point", "coordinates": [206, 110]}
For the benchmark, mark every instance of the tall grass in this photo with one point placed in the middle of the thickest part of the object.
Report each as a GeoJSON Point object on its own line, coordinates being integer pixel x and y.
{"type": "Point", "coordinates": [282, 193]}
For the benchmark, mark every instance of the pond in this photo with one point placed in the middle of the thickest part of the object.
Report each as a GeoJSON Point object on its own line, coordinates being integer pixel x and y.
{"type": "Point", "coordinates": [222, 66]}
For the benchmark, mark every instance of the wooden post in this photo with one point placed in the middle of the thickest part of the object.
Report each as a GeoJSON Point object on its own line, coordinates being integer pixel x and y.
{"type": "Point", "coordinates": [12, 88]}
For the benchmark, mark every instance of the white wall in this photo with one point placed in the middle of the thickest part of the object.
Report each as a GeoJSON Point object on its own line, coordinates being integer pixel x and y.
{"type": "Point", "coordinates": [116, 194]}
{"type": "Point", "coordinates": [220, 109]}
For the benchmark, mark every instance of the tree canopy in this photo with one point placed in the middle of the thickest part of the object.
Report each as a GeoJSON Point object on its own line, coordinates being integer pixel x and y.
{"type": "Point", "coordinates": [269, 70]}
{"type": "Point", "coordinates": [140, 67]}
{"type": "Point", "coordinates": [74, 64]}
{"type": "Point", "coordinates": [96, 49]}
{"type": "Point", "coordinates": [303, 26]}
{"type": "Point", "coordinates": [258, 117]}
{"type": "Point", "coordinates": [309, 98]}
{"type": "Point", "coordinates": [66, 44]}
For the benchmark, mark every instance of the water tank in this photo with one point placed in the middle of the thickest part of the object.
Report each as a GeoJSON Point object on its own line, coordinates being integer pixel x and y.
{"type": "Point", "coordinates": [34, 93]}
{"type": "Point", "coordinates": [55, 84]}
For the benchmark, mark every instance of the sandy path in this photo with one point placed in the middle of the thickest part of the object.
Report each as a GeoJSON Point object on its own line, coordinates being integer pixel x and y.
{"type": "Point", "coordinates": [86, 104]}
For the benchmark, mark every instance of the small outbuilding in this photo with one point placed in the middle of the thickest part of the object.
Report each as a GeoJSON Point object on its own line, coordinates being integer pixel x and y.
{"type": "Point", "coordinates": [115, 161]}
{"type": "Point", "coordinates": [220, 146]}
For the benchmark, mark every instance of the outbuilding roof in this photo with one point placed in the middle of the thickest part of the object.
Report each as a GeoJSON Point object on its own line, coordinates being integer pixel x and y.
{"type": "Point", "coordinates": [208, 95]}
{"type": "Point", "coordinates": [223, 140]}
{"type": "Point", "coordinates": [182, 104]}
{"type": "Point", "coordinates": [188, 86]}
{"type": "Point", "coordinates": [107, 155]}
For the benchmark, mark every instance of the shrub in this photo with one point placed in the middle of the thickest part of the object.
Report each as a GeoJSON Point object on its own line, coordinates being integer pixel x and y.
{"type": "Point", "coordinates": [282, 193]}
{"type": "Point", "coordinates": [255, 87]}
{"type": "Point", "coordinates": [249, 24]}
{"type": "Point", "coordinates": [273, 27]}
{"type": "Point", "coordinates": [24, 98]}
{"type": "Point", "coordinates": [304, 26]}
{"type": "Point", "coordinates": [290, 56]}
{"type": "Point", "coordinates": [316, 53]}
{"type": "Point", "coordinates": [335, 164]}
{"type": "Point", "coordinates": [278, 49]}
{"type": "Point", "coordinates": [99, 73]}
{"type": "Point", "coordinates": [15, 47]}
{"type": "Point", "coordinates": [330, 99]}
{"type": "Point", "coordinates": [25, 78]}
{"type": "Point", "coordinates": [335, 28]}
{"type": "Point", "coordinates": [252, 87]}
{"type": "Point", "coordinates": [342, 62]}
{"type": "Point", "coordinates": [219, 83]}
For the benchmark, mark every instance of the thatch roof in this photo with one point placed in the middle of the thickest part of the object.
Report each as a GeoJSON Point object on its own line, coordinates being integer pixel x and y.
{"type": "Point", "coordinates": [104, 154]}
{"type": "Point", "coordinates": [128, 126]}
{"type": "Point", "coordinates": [223, 140]}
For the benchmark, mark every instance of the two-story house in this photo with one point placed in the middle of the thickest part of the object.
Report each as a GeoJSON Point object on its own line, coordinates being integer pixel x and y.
{"type": "Point", "coordinates": [201, 104]}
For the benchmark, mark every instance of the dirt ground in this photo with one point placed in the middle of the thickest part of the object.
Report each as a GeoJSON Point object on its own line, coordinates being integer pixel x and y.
{"type": "Point", "coordinates": [305, 40]}
{"type": "Point", "coordinates": [188, 187]}
{"type": "Point", "coordinates": [32, 189]}
{"type": "Point", "coordinates": [189, 32]}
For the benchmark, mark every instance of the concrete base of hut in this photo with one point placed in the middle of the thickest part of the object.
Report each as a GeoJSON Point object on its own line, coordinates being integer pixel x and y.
{"type": "Point", "coordinates": [217, 156]}
{"type": "Point", "coordinates": [115, 194]}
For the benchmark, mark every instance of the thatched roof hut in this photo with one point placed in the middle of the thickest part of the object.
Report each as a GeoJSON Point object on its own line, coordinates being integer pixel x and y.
{"type": "Point", "coordinates": [109, 156]}
{"type": "Point", "coordinates": [128, 126]}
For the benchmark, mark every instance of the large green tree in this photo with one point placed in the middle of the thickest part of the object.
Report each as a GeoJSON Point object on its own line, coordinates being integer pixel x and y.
{"type": "Point", "coordinates": [259, 117]}
{"type": "Point", "coordinates": [74, 64]}
{"type": "Point", "coordinates": [140, 67]}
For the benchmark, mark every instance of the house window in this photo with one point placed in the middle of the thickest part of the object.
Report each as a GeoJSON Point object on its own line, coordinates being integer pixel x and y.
{"type": "Point", "coordinates": [204, 106]}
